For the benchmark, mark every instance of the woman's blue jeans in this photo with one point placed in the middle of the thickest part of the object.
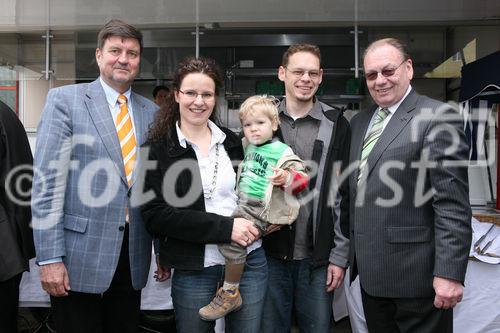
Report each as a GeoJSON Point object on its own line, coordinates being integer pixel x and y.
{"type": "Point", "coordinates": [192, 290]}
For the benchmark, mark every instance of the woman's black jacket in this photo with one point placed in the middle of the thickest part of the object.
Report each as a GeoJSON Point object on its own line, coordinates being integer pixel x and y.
{"type": "Point", "coordinates": [179, 218]}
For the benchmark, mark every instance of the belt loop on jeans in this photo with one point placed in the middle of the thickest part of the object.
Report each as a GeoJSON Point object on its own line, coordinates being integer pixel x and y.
{"type": "Point", "coordinates": [311, 269]}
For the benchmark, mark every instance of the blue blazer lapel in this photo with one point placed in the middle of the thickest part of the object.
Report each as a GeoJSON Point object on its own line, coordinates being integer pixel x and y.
{"type": "Point", "coordinates": [97, 106]}
{"type": "Point", "coordinates": [140, 125]}
{"type": "Point", "coordinates": [398, 121]}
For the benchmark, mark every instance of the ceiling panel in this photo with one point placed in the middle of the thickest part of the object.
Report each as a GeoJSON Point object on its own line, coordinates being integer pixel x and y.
{"type": "Point", "coordinates": [19, 15]}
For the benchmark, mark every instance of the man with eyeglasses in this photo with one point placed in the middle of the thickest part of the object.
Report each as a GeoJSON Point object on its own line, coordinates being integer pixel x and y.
{"type": "Point", "coordinates": [409, 206]}
{"type": "Point", "coordinates": [307, 259]}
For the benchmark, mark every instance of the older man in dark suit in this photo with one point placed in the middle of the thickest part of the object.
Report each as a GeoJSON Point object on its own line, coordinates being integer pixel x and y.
{"type": "Point", "coordinates": [409, 205]}
{"type": "Point", "coordinates": [16, 237]}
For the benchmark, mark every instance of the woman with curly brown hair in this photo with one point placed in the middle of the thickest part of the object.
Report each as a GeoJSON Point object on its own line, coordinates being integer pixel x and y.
{"type": "Point", "coordinates": [194, 196]}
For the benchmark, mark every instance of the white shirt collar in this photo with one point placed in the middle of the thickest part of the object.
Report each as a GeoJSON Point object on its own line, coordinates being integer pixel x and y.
{"type": "Point", "coordinates": [394, 107]}
{"type": "Point", "coordinates": [112, 94]}
{"type": "Point", "coordinates": [217, 135]}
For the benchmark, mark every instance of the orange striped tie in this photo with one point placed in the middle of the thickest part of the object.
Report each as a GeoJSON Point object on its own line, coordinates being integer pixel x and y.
{"type": "Point", "coordinates": [126, 136]}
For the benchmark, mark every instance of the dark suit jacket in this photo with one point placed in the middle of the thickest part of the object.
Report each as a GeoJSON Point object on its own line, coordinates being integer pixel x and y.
{"type": "Point", "coordinates": [16, 237]}
{"type": "Point", "coordinates": [401, 239]}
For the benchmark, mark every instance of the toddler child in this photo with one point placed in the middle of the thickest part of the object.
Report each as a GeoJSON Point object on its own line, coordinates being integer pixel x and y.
{"type": "Point", "coordinates": [268, 178]}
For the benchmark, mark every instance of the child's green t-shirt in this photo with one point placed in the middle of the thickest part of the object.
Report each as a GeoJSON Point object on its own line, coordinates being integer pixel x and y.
{"type": "Point", "coordinates": [258, 166]}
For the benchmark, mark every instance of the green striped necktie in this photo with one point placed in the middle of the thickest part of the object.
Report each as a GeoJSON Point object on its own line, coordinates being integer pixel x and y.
{"type": "Point", "coordinates": [372, 138]}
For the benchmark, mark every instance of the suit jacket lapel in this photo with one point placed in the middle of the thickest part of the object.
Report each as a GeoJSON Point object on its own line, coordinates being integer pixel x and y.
{"type": "Point", "coordinates": [140, 125]}
{"type": "Point", "coordinates": [358, 137]}
{"type": "Point", "coordinates": [97, 105]}
{"type": "Point", "coordinates": [398, 121]}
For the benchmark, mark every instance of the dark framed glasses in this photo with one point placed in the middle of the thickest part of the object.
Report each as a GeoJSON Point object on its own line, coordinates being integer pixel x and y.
{"type": "Point", "coordinates": [387, 72]}
{"type": "Point", "coordinates": [191, 94]}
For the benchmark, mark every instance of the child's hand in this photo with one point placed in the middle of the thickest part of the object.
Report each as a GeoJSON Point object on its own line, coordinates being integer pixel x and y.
{"type": "Point", "coordinates": [280, 177]}
{"type": "Point", "coordinates": [272, 228]}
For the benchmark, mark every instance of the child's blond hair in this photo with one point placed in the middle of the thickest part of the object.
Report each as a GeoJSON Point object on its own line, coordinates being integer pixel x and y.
{"type": "Point", "coordinates": [265, 104]}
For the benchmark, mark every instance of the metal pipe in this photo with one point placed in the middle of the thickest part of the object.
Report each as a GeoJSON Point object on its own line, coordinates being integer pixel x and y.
{"type": "Point", "coordinates": [197, 33]}
{"type": "Point", "coordinates": [47, 37]}
{"type": "Point", "coordinates": [47, 70]}
{"type": "Point", "coordinates": [498, 163]}
{"type": "Point", "coordinates": [197, 29]}
{"type": "Point", "coordinates": [356, 41]}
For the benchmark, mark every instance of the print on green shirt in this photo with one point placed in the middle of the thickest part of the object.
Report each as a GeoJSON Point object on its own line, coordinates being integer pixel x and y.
{"type": "Point", "coordinates": [258, 166]}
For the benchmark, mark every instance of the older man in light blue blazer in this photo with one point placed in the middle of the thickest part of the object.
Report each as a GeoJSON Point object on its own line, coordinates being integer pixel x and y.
{"type": "Point", "coordinates": [91, 245]}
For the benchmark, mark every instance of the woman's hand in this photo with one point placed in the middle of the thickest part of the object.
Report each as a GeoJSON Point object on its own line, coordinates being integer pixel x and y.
{"type": "Point", "coordinates": [244, 232]}
{"type": "Point", "coordinates": [161, 273]}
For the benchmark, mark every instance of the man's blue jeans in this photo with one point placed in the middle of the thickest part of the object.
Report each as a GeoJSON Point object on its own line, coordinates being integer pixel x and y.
{"type": "Point", "coordinates": [192, 290]}
{"type": "Point", "coordinates": [291, 286]}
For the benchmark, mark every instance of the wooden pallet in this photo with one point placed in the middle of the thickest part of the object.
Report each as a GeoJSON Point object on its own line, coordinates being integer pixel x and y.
{"type": "Point", "coordinates": [488, 217]}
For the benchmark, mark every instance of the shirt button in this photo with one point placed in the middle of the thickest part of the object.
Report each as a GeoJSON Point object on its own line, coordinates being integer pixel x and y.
{"type": "Point", "coordinates": [293, 125]}
{"type": "Point", "coordinates": [121, 228]}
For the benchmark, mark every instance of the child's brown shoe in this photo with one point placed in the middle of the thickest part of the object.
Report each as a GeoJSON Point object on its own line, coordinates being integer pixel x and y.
{"type": "Point", "coordinates": [223, 303]}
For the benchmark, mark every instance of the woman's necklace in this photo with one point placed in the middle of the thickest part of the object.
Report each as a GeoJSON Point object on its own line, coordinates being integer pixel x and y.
{"type": "Point", "coordinates": [210, 193]}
